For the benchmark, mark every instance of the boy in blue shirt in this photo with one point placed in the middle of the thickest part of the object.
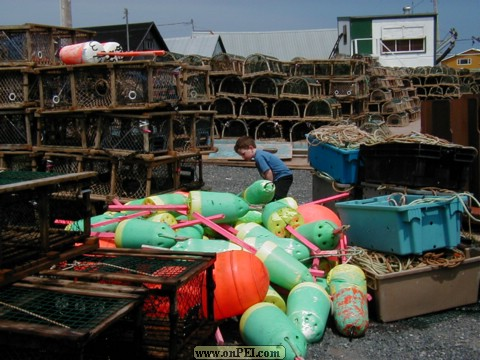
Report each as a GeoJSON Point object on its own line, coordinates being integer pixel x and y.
{"type": "Point", "coordinates": [268, 165]}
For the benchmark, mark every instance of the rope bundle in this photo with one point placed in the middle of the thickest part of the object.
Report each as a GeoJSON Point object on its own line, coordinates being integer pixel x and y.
{"type": "Point", "coordinates": [342, 136]}
{"type": "Point", "coordinates": [380, 263]}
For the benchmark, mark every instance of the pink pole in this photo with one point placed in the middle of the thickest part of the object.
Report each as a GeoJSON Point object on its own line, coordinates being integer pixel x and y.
{"type": "Point", "coordinates": [147, 207]}
{"type": "Point", "coordinates": [330, 198]}
{"type": "Point", "coordinates": [105, 235]}
{"type": "Point", "coordinates": [224, 233]}
{"type": "Point", "coordinates": [120, 218]}
{"type": "Point", "coordinates": [186, 223]}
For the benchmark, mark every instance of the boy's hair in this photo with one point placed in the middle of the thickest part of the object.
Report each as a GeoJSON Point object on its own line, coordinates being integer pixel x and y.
{"type": "Point", "coordinates": [244, 142]}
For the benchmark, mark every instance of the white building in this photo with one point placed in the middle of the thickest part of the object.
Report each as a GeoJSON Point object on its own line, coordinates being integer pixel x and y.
{"type": "Point", "coordinates": [407, 40]}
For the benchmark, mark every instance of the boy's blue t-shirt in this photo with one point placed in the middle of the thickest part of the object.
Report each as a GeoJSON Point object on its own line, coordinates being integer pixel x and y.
{"type": "Point", "coordinates": [265, 160]}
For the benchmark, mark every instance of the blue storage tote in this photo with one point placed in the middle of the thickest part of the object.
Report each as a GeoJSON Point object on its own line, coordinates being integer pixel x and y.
{"type": "Point", "coordinates": [422, 223]}
{"type": "Point", "coordinates": [340, 164]}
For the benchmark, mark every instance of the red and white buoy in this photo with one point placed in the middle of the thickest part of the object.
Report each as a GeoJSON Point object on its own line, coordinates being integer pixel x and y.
{"type": "Point", "coordinates": [81, 53]}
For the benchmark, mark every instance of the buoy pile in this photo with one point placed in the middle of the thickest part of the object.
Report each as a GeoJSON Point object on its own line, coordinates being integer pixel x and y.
{"type": "Point", "coordinates": [278, 264]}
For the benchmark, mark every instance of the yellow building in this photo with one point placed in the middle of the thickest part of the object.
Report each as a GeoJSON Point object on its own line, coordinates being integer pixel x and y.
{"type": "Point", "coordinates": [469, 59]}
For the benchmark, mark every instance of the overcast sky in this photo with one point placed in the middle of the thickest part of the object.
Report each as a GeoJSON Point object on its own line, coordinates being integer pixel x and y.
{"type": "Point", "coordinates": [174, 17]}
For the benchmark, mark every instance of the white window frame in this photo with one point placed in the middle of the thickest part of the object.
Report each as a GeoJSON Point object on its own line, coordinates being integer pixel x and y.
{"type": "Point", "coordinates": [395, 51]}
{"type": "Point", "coordinates": [464, 61]}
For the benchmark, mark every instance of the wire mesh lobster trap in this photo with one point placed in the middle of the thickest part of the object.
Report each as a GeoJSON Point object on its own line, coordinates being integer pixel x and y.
{"type": "Point", "coordinates": [92, 87]}
{"type": "Point", "coordinates": [297, 131]}
{"type": "Point", "coordinates": [232, 128]}
{"type": "Point", "coordinates": [18, 160]}
{"type": "Point", "coordinates": [261, 65]}
{"type": "Point", "coordinates": [132, 134]}
{"type": "Point", "coordinates": [165, 83]}
{"type": "Point", "coordinates": [18, 88]}
{"type": "Point", "coordinates": [55, 88]}
{"type": "Point", "coordinates": [31, 204]}
{"type": "Point", "coordinates": [16, 130]}
{"type": "Point", "coordinates": [225, 108]}
{"type": "Point", "coordinates": [353, 89]}
{"type": "Point", "coordinates": [226, 64]}
{"type": "Point", "coordinates": [35, 43]}
{"type": "Point", "coordinates": [266, 87]}
{"type": "Point", "coordinates": [302, 88]}
{"type": "Point", "coordinates": [323, 109]}
{"type": "Point", "coordinates": [177, 310]}
{"type": "Point", "coordinates": [254, 108]}
{"type": "Point", "coordinates": [194, 85]}
{"type": "Point", "coordinates": [66, 132]}
{"type": "Point", "coordinates": [131, 83]}
{"type": "Point", "coordinates": [191, 130]}
{"type": "Point", "coordinates": [232, 86]}
{"type": "Point", "coordinates": [135, 179]}
{"type": "Point", "coordinates": [268, 130]}
{"type": "Point", "coordinates": [333, 68]}
{"type": "Point", "coordinates": [380, 95]}
{"type": "Point", "coordinates": [43, 320]}
{"type": "Point", "coordinates": [286, 109]}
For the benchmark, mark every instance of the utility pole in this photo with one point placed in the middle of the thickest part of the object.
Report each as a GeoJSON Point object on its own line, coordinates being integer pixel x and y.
{"type": "Point", "coordinates": [66, 13]}
{"type": "Point", "coordinates": [125, 11]}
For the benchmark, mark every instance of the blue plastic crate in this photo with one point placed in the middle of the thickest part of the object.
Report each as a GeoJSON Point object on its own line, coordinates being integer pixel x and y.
{"type": "Point", "coordinates": [423, 223]}
{"type": "Point", "coordinates": [340, 164]}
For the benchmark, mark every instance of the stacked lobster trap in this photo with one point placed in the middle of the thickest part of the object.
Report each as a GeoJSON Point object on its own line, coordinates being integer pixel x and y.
{"type": "Point", "coordinates": [441, 82]}
{"type": "Point", "coordinates": [393, 96]}
{"type": "Point", "coordinates": [287, 98]}
{"type": "Point", "coordinates": [134, 155]}
{"type": "Point", "coordinates": [138, 124]}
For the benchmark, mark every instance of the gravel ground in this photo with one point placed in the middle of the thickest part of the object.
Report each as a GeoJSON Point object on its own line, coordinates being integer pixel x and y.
{"type": "Point", "coordinates": [452, 334]}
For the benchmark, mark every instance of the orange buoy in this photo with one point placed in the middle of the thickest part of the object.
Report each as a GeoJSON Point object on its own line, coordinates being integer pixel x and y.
{"type": "Point", "coordinates": [241, 280]}
{"type": "Point", "coordinates": [314, 212]}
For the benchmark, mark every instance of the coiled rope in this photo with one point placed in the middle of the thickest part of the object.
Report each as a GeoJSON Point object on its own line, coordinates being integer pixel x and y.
{"type": "Point", "coordinates": [343, 136]}
{"type": "Point", "coordinates": [380, 263]}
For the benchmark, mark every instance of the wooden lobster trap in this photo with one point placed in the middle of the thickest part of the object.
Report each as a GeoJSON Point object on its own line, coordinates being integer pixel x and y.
{"type": "Point", "coordinates": [266, 87]}
{"type": "Point", "coordinates": [18, 160]}
{"type": "Point", "coordinates": [286, 109]}
{"type": "Point", "coordinates": [66, 132]}
{"type": "Point", "coordinates": [323, 109]}
{"type": "Point", "coordinates": [351, 89]}
{"type": "Point", "coordinates": [177, 310]}
{"type": "Point", "coordinates": [35, 206]}
{"type": "Point", "coordinates": [48, 319]}
{"type": "Point", "coordinates": [189, 130]}
{"type": "Point", "coordinates": [37, 44]}
{"type": "Point", "coordinates": [16, 130]}
{"type": "Point", "coordinates": [254, 108]}
{"type": "Point", "coordinates": [129, 134]}
{"type": "Point", "coordinates": [194, 85]}
{"type": "Point", "coordinates": [56, 92]}
{"type": "Point", "coordinates": [18, 88]}
{"type": "Point", "coordinates": [302, 88]}
{"type": "Point", "coordinates": [92, 87]}
{"type": "Point", "coordinates": [327, 69]}
{"type": "Point", "coordinates": [263, 65]}
{"type": "Point", "coordinates": [225, 108]}
{"type": "Point", "coordinates": [125, 178]}
{"type": "Point", "coordinates": [226, 64]}
{"type": "Point", "coordinates": [232, 86]}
